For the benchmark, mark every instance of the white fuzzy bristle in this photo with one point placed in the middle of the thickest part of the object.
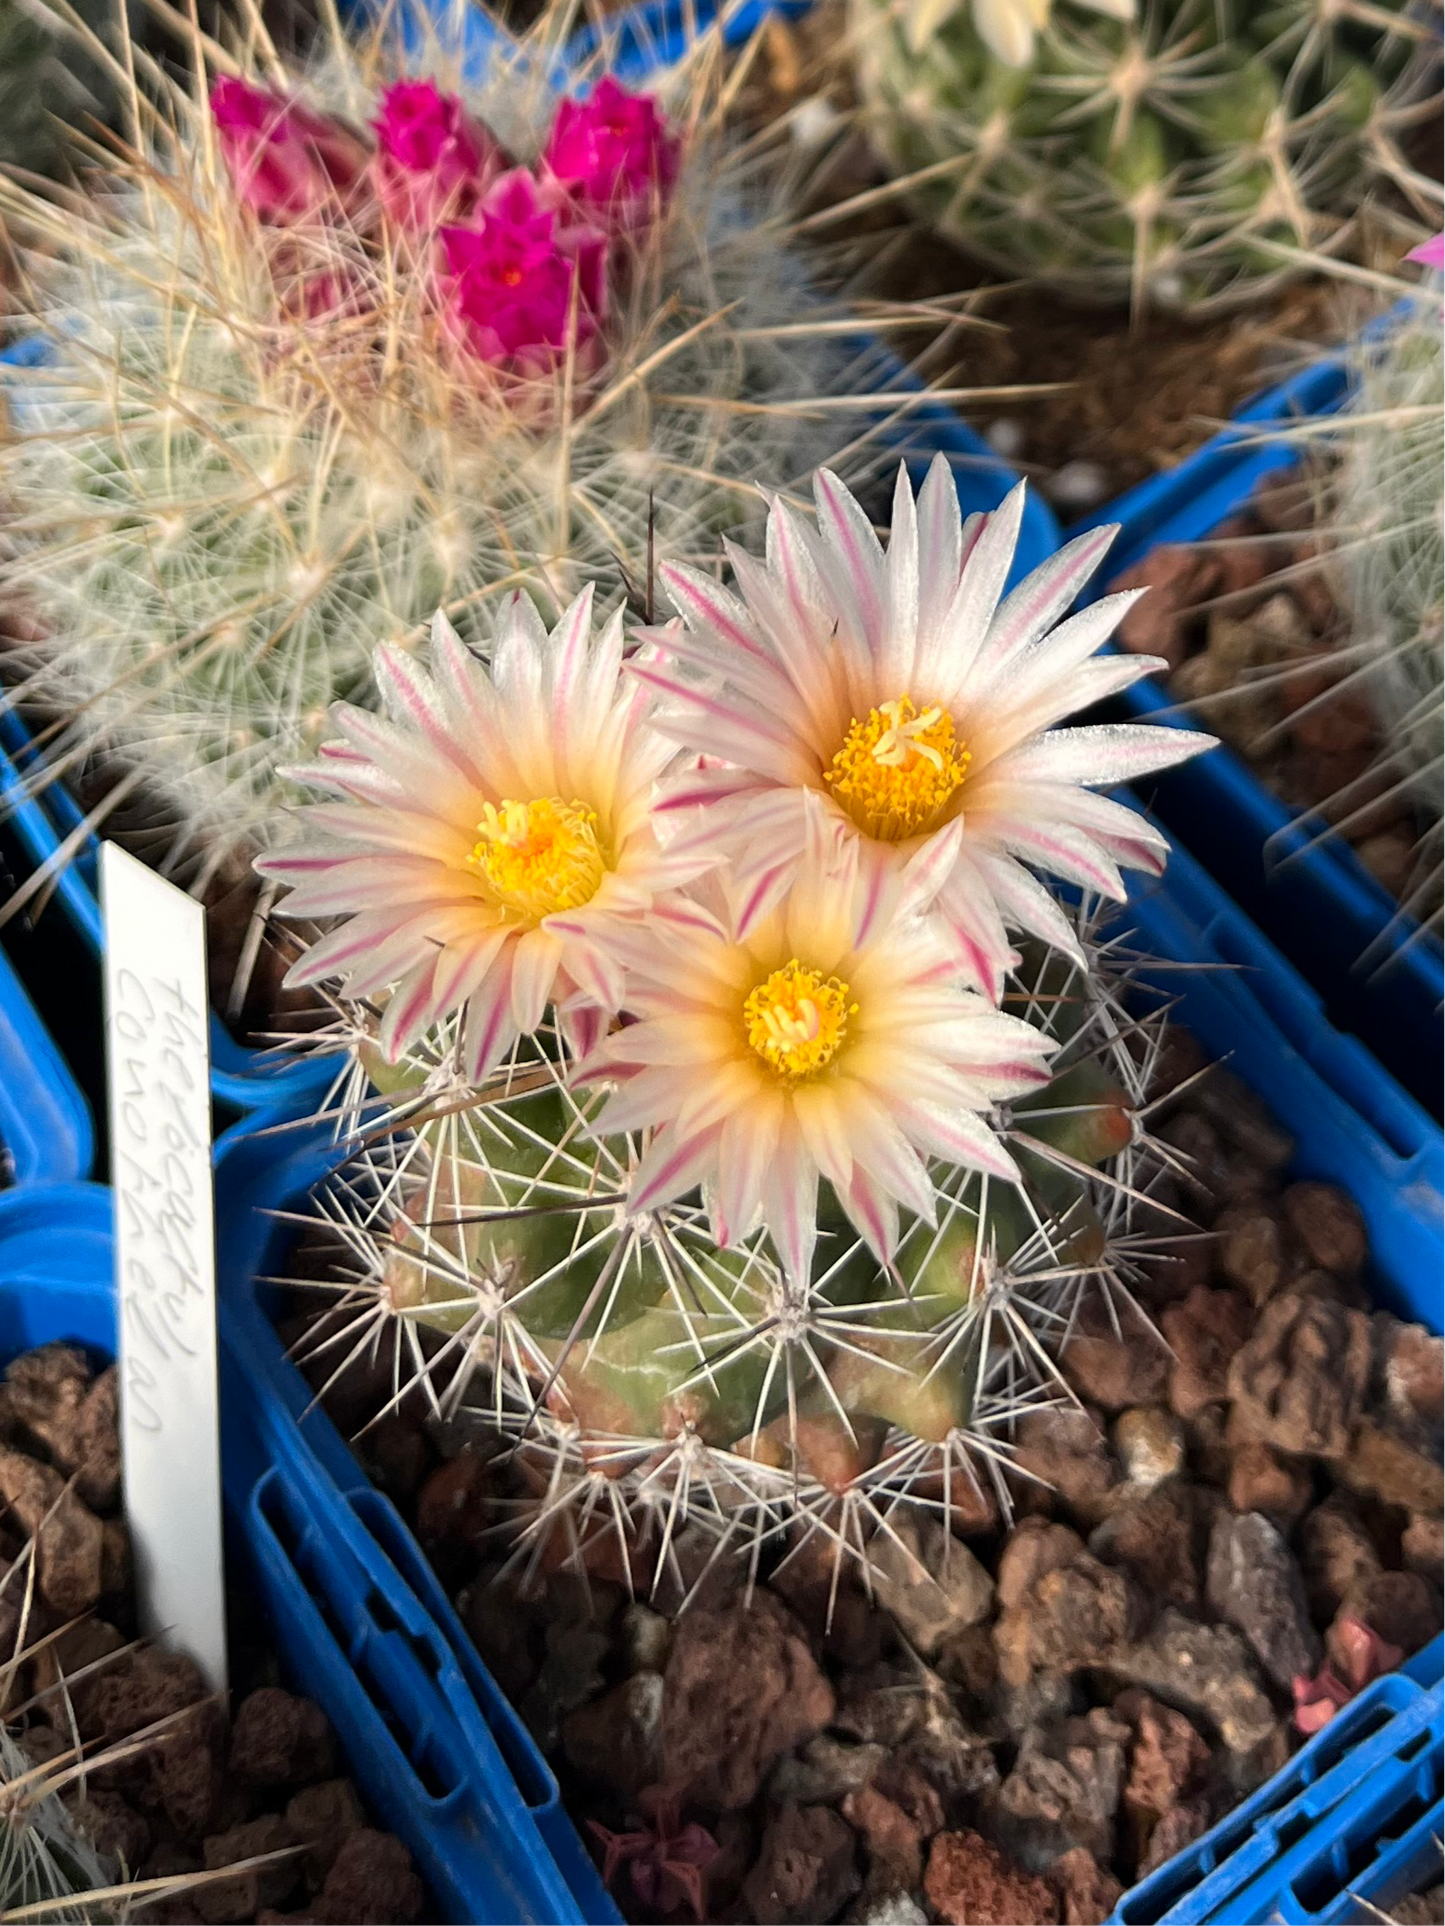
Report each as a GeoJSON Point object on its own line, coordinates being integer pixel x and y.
{"type": "Point", "coordinates": [222, 511]}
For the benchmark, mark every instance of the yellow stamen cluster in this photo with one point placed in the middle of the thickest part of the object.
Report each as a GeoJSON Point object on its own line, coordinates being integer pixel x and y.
{"type": "Point", "coordinates": [539, 857]}
{"type": "Point", "coordinates": [898, 769]}
{"type": "Point", "coordinates": [797, 1018]}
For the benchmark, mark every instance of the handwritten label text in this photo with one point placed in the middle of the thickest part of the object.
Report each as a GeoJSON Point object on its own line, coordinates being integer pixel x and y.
{"type": "Point", "coordinates": [160, 1128]}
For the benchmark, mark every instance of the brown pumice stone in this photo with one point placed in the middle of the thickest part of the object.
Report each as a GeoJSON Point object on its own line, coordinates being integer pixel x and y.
{"type": "Point", "coordinates": [172, 1807]}
{"type": "Point", "coordinates": [1100, 1676]}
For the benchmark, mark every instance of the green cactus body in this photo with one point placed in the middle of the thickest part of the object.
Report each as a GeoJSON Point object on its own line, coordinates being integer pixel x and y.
{"type": "Point", "coordinates": [1390, 525]}
{"type": "Point", "coordinates": [620, 1343]}
{"type": "Point", "coordinates": [1170, 161]}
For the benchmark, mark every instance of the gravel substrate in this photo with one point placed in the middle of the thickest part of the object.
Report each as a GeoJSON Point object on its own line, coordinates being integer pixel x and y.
{"type": "Point", "coordinates": [1237, 1525]}
{"type": "Point", "coordinates": [216, 1790]}
{"type": "Point", "coordinates": [1254, 641]}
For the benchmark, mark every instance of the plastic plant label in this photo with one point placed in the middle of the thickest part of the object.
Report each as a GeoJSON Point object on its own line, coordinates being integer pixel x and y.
{"type": "Point", "coordinates": [158, 1064]}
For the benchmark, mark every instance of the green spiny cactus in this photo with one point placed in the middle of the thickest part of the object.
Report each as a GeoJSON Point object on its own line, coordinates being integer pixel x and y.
{"type": "Point", "coordinates": [218, 507]}
{"type": "Point", "coordinates": [649, 1379]}
{"type": "Point", "coordinates": [875, 1115]}
{"type": "Point", "coordinates": [1184, 158]}
{"type": "Point", "coordinates": [1388, 515]}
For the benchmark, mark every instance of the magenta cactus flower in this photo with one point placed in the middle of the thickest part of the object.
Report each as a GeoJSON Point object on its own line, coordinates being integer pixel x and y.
{"type": "Point", "coordinates": [286, 162]}
{"type": "Point", "coordinates": [433, 161]}
{"type": "Point", "coordinates": [519, 287]}
{"type": "Point", "coordinates": [614, 157]}
{"type": "Point", "coordinates": [1430, 255]}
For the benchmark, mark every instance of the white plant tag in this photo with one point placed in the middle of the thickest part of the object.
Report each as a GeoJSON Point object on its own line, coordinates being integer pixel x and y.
{"type": "Point", "coordinates": [158, 1062]}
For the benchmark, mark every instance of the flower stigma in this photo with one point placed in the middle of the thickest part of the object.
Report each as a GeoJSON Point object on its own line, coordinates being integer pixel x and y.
{"type": "Point", "coordinates": [797, 1019]}
{"type": "Point", "coordinates": [539, 857]}
{"type": "Point", "coordinates": [897, 770]}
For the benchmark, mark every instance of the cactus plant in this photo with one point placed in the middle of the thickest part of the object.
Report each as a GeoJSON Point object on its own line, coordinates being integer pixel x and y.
{"type": "Point", "coordinates": [310, 380]}
{"type": "Point", "coordinates": [1190, 155]}
{"type": "Point", "coordinates": [809, 1250]}
{"type": "Point", "coordinates": [1383, 518]}
{"type": "Point", "coordinates": [652, 1377]}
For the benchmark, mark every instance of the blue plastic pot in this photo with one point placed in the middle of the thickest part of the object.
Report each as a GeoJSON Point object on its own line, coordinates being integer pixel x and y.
{"type": "Point", "coordinates": [508, 1795]}
{"type": "Point", "coordinates": [1384, 1844]}
{"type": "Point", "coordinates": [1242, 1001]}
{"type": "Point", "coordinates": [633, 43]}
{"type": "Point", "coordinates": [348, 1629]}
{"type": "Point", "coordinates": [45, 1128]}
{"type": "Point", "coordinates": [1381, 975]}
{"type": "Point", "coordinates": [1351, 1782]}
{"type": "Point", "coordinates": [637, 41]}
{"type": "Point", "coordinates": [51, 827]}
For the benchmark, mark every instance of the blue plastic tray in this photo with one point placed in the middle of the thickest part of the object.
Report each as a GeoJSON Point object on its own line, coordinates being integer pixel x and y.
{"type": "Point", "coordinates": [1351, 1126]}
{"type": "Point", "coordinates": [262, 1170]}
{"type": "Point", "coordinates": [1390, 1844]}
{"type": "Point", "coordinates": [638, 40]}
{"type": "Point", "coordinates": [632, 43]}
{"type": "Point", "coordinates": [1382, 977]}
{"type": "Point", "coordinates": [1382, 1838]}
{"type": "Point", "coordinates": [50, 826]}
{"type": "Point", "coordinates": [1245, 1865]}
{"type": "Point", "coordinates": [45, 1127]}
{"type": "Point", "coordinates": [350, 1633]}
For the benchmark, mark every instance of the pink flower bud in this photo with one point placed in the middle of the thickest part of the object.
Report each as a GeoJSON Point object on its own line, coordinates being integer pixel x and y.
{"type": "Point", "coordinates": [286, 163]}
{"type": "Point", "coordinates": [1317, 1700]}
{"type": "Point", "coordinates": [1358, 1652]}
{"type": "Point", "coordinates": [1430, 253]}
{"type": "Point", "coordinates": [614, 157]}
{"type": "Point", "coordinates": [1356, 1655]}
{"type": "Point", "coordinates": [433, 161]}
{"type": "Point", "coordinates": [517, 286]}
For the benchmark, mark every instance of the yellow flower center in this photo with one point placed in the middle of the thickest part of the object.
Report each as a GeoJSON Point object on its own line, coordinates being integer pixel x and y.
{"type": "Point", "coordinates": [797, 1019]}
{"type": "Point", "coordinates": [897, 770]}
{"type": "Point", "coordinates": [539, 857]}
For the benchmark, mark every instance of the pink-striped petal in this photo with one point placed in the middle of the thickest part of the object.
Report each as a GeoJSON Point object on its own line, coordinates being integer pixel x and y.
{"type": "Point", "coordinates": [670, 1168]}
